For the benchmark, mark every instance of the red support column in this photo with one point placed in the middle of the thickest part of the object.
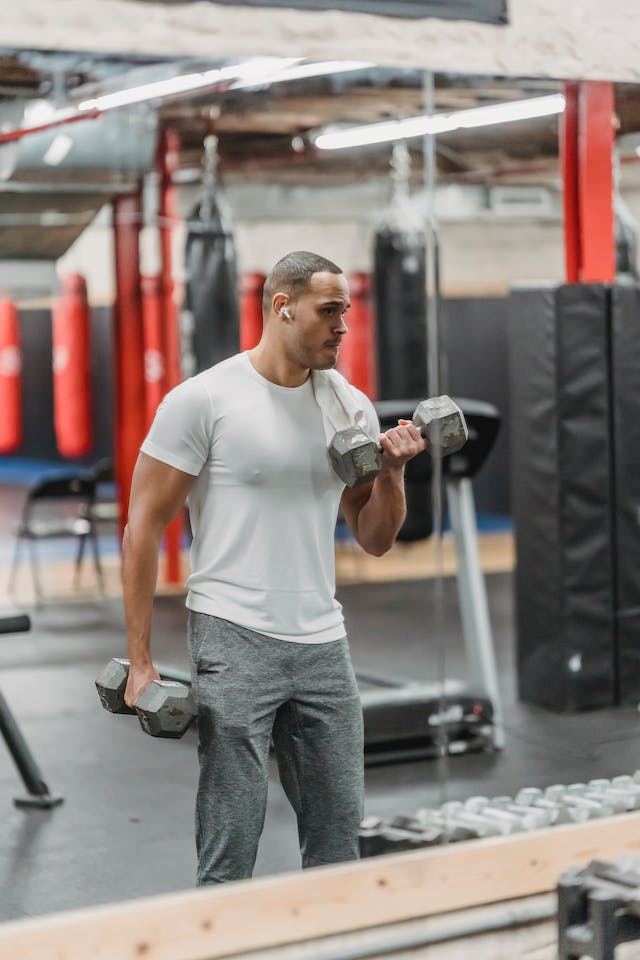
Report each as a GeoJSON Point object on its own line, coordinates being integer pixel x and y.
{"type": "Point", "coordinates": [251, 286]}
{"type": "Point", "coordinates": [357, 353]}
{"type": "Point", "coordinates": [129, 344]}
{"type": "Point", "coordinates": [586, 141]}
{"type": "Point", "coordinates": [168, 162]}
{"type": "Point", "coordinates": [595, 145]}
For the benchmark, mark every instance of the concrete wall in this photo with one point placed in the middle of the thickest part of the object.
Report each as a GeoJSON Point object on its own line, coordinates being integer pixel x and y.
{"type": "Point", "coordinates": [581, 39]}
{"type": "Point", "coordinates": [475, 258]}
{"type": "Point", "coordinates": [482, 255]}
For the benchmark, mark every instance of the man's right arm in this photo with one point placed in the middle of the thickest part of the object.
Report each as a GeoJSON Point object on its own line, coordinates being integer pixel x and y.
{"type": "Point", "coordinates": [158, 493]}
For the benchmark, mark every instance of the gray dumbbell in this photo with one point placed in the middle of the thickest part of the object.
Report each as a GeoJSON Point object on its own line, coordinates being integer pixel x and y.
{"type": "Point", "coordinates": [625, 782]}
{"type": "Point", "coordinates": [619, 797]}
{"type": "Point", "coordinates": [576, 804]}
{"type": "Point", "coordinates": [357, 458]}
{"type": "Point", "coordinates": [377, 836]}
{"type": "Point", "coordinates": [454, 813]}
{"type": "Point", "coordinates": [530, 818]}
{"type": "Point", "coordinates": [449, 833]}
{"type": "Point", "coordinates": [111, 685]}
{"type": "Point", "coordinates": [165, 708]}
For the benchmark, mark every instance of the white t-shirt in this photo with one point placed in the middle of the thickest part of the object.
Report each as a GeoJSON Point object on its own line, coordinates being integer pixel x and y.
{"type": "Point", "coordinates": [264, 505]}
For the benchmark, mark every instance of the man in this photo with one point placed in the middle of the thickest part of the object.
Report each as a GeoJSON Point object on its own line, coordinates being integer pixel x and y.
{"type": "Point", "coordinates": [245, 441]}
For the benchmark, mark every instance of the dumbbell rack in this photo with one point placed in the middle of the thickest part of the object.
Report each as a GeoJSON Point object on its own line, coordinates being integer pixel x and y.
{"type": "Point", "coordinates": [478, 817]}
{"type": "Point", "coordinates": [38, 793]}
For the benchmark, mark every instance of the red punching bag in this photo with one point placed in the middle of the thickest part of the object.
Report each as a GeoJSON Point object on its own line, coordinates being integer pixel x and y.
{"type": "Point", "coordinates": [71, 369]}
{"type": "Point", "coordinates": [10, 369]}
{"type": "Point", "coordinates": [251, 286]}
{"type": "Point", "coordinates": [357, 352]}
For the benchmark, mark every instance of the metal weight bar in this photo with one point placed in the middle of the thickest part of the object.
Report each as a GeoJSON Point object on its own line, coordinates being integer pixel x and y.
{"type": "Point", "coordinates": [15, 623]}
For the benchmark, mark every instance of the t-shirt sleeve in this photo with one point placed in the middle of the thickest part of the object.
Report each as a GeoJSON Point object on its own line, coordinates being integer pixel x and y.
{"type": "Point", "coordinates": [180, 434]}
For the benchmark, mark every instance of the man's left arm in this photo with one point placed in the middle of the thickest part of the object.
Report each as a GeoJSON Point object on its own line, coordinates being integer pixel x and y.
{"type": "Point", "coordinates": [375, 512]}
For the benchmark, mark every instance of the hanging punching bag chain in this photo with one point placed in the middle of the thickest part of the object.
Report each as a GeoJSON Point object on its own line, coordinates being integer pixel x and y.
{"type": "Point", "coordinates": [400, 164]}
{"type": "Point", "coordinates": [209, 177]}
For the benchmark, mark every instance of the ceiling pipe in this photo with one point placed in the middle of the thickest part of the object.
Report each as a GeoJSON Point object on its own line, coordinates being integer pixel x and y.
{"type": "Point", "coordinates": [10, 136]}
{"type": "Point", "coordinates": [254, 73]}
{"type": "Point", "coordinates": [159, 91]}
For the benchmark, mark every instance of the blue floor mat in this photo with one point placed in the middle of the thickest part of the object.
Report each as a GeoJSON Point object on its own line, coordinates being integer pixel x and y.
{"type": "Point", "coordinates": [24, 473]}
{"type": "Point", "coordinates": [57, 550]}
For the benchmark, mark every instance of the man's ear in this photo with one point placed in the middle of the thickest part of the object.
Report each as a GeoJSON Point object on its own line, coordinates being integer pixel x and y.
{"type": "Point", "coordinates": [280, 305]}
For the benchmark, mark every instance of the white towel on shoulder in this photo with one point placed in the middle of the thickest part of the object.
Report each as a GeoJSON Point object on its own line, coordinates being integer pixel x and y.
{"type": "Point", "coordinates": [340, 404]}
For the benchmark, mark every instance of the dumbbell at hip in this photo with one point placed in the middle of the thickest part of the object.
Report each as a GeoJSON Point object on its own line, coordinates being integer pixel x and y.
{"type": "Point", "coordinates": [357, 458]}
{"type": "Point", "coordinates": [164, 708]}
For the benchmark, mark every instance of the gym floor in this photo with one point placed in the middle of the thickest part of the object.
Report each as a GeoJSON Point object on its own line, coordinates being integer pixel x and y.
{"type": "Point", "coordinates": [125, 829]}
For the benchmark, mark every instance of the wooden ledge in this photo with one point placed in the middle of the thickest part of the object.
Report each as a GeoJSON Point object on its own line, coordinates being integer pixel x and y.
{"type": "Point", "coordinates": [237, 917]}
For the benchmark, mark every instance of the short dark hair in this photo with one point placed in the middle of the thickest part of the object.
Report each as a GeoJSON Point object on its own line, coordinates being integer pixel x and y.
{"type": "Point", "coordinates": [292, 274]}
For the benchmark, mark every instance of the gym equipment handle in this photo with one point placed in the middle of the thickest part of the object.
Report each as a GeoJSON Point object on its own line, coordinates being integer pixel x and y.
{"type": "Point", "coordinates": [17, 623]}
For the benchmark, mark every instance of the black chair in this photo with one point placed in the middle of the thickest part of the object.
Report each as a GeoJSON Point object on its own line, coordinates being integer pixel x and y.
{"type": "Point", "coordinates": [104, 508]}
{"type": "Point", "coordinates": [57, 507]}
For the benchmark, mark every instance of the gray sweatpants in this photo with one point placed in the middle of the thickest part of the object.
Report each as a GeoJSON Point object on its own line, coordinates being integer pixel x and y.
{"type": "Point", "coordinates": [248, 689]}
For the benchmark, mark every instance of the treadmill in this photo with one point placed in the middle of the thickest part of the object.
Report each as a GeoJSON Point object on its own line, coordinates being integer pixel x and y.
{"type": "Point", "coordinates": [409, 721]}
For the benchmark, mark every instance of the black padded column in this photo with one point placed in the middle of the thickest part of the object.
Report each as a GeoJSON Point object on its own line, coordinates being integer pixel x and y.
{"type": "Point", "coordinates": [562, 480]}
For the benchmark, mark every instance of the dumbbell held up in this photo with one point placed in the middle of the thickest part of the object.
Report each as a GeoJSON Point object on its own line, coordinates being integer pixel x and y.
{"type": "Point", "coordinates": [164, 709]}
{"type": "Point", "coordinates": [357, 458]}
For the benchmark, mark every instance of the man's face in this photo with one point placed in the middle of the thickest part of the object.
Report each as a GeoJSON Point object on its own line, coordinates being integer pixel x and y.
{"type": "Point", "coordinates": [318, 326]}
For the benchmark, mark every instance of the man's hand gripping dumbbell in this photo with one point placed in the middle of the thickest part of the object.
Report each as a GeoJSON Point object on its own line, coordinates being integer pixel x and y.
{"type": "Point", "coordinates": [164, 708]}
{"type": "Point", "coordinates": [357, 458]}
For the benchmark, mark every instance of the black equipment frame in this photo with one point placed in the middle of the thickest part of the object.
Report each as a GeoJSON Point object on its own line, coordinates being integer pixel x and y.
{"type": "Point", "coordinates": [38, 794]}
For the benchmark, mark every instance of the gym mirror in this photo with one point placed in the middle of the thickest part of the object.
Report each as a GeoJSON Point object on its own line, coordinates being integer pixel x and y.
{"type": "Point", "coordinates": [209, 171]}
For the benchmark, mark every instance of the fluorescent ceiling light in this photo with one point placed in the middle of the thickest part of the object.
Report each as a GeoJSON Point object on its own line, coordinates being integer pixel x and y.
{"type": "Point", "coordinates": [258, 71]}
{"type": "Point", "coordinates": [255, 70]}
{"type": "Point", "coordinates": [420, 126]}
{"type": "Point", "coordinates": [301, 71]}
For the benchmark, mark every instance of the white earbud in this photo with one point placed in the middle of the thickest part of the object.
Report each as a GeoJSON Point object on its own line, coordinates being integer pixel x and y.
{"type": "Point", "coordinates": [286, 313]}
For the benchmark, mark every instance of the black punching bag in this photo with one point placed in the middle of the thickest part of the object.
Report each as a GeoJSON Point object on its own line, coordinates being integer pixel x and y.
{"type": "Point", "coordinates": [400, 306]}
{"type": "Point", "coordinates": [211, 298]}
{"type": "Point", "coordinates": [400, 297]}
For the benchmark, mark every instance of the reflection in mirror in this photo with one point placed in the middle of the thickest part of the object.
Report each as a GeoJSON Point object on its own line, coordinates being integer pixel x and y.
{"type": "Point", "coordinates": [167, 189]}
{"type": "Point", "coordinates": [564, 358]}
